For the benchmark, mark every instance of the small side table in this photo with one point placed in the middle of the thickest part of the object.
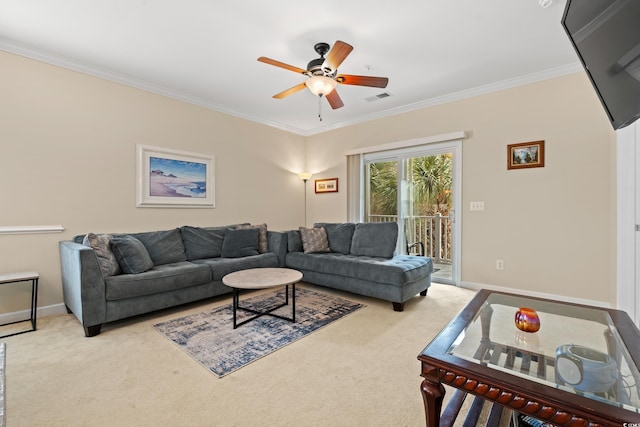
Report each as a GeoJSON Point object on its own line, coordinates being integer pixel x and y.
{"type": "Point", "coordinates": [33, 277]}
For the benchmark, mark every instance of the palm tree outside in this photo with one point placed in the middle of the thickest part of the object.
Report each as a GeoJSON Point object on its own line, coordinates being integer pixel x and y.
{"type": "Point", "coordinates": [430, 183]}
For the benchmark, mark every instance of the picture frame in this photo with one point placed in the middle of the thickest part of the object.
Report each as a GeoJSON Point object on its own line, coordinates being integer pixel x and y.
{"type": "Point", "coordinates": [174, 178]}
{"type": "Point", "coordinates": [329, 185]}
{"type": "Point", "coordinates": [525, 155]}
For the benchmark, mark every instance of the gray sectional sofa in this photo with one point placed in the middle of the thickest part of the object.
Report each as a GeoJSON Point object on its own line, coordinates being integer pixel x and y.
{"type": "Point", "coordinates": [109, 277]}
{"type": "Point", "coordinates": [359, 258]}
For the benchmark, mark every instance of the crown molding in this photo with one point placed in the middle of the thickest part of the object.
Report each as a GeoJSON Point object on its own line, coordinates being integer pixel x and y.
{"type": "Point", "coordinates": [54, 59]}
{"type": "Point", "coordinates": [457, 96]}
{"type": "Point", "coordinates": [94, 71]}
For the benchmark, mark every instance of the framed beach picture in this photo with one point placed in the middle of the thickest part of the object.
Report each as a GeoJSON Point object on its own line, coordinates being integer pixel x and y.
{"type": "Point", "coordinates": [172, 178]}
{"type": "Point", "coordinates": [327, 185]}
{"type": "Point", "coordinates": [525, 155]}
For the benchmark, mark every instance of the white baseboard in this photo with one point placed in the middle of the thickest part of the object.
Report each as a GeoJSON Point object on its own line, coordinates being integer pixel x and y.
{"type": "Point", "coordinates": [563, 298]}
{"type": "Point", "coordinates": [54, 309]}
{"type": "Point", "coordinates": [17, 316]}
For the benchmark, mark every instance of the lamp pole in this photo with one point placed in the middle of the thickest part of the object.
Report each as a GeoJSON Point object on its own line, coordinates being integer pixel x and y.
{"type": "Point", "coordinates": [305, 202]}
{"type": "Point", "coordinates": [305, 177]}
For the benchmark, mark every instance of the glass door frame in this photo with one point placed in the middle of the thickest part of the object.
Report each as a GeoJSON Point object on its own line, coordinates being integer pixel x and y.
{"type": "Point", "coordinates": [401, 156]}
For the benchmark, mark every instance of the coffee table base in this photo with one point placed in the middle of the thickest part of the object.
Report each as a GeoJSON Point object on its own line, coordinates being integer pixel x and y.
{"type": "Point", "coordinates": [236, 307]}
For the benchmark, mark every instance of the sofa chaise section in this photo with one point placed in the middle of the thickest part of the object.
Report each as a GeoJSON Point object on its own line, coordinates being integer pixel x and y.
{"type": "Point", "coordinates": [360, 258]}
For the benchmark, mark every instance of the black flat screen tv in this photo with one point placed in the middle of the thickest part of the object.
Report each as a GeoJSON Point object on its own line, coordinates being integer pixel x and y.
{"type": "Point", "coordinates": [606, 37]}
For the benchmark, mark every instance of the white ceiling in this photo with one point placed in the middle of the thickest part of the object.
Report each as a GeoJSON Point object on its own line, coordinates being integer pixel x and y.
{"type": "Point", "coordinates": [205, 51]}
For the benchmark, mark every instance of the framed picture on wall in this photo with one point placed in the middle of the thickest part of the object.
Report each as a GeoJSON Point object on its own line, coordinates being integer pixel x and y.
{"type": "Point", "coordinates": [173, 178]}
{"type": "Point", "coordinates": [525, 155]}
{"type": "Point", "coordinates": [329, 185]}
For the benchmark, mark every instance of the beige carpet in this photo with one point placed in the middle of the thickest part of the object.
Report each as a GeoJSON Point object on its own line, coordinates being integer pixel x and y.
{"type": "Point", "coordinates": [359, 371]}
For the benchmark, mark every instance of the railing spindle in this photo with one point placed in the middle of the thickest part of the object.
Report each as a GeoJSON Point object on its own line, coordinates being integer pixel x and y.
{"type": "Point", "coordinates": [434, 231]}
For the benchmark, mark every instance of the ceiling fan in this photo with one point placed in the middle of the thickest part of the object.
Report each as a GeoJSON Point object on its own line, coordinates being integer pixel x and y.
{"type": "Point", "coordinates": [323, 74]}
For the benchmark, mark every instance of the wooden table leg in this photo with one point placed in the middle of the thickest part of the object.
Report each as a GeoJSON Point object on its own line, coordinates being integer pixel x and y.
{"type": "Point", "coordinates": [432, 394]}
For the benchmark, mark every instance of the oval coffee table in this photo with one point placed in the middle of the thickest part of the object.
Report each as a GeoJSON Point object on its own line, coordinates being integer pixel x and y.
{"type": "Point", "coordinates": [263, 278]}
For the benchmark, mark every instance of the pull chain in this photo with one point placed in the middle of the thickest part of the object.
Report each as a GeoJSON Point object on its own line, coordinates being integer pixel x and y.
{"type": "Point", "coordinates": [320, 108]}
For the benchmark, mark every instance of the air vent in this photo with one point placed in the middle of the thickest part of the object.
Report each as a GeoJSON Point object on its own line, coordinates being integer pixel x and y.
{"type": "Point", "coordinates": [378, 96]}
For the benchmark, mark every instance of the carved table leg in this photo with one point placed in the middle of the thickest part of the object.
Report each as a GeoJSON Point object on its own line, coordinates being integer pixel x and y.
{"type": "Point", "coordinates": [432, 395]}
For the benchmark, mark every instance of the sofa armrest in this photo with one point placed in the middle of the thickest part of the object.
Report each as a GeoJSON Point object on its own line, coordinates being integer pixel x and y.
{"type": "Point", "coordinates": [82, 283]}
{"type": "Point", "coordinates": [278, 245]}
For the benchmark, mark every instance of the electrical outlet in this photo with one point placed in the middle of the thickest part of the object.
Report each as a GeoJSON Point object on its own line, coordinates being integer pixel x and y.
{"type": "Point", "coordinates": [499, 264]}
{"type": "Point", "coordinates": [477, 206]}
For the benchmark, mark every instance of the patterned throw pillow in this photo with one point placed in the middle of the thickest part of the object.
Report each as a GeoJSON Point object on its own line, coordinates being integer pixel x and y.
{"type": "Point", "coordinates": [314, 240]}
{"type": "Point", "coordinates": [102, 248]}
{"type": "Point", "coordinates": [263, 244]}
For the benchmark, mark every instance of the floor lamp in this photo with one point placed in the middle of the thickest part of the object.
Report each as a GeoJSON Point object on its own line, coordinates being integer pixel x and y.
{"type": "Point", "coordinates": [305, 177]}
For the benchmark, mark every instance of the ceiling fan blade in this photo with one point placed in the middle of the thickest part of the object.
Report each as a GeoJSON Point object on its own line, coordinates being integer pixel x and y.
{"type": "Point", "coordinates": [334, 99]}
{"type": "Point", "coordinates": [281, 65]}
{"type": "Point", "coordinates": [347, 79]}
{"type": "Point", "coordinates": [289, 91]}
{"type": "Point", "coordinates": [338, 53]}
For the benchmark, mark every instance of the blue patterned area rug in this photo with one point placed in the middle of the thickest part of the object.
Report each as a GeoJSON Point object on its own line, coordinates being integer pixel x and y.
{"type": "Point", "coordinates": [210, 339]}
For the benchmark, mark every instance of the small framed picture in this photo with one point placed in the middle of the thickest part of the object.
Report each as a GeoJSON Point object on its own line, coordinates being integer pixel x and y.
{"type": "Point", "coordinates": [327, 185]}
{"type": "Point", "coordinates": [525, 155]}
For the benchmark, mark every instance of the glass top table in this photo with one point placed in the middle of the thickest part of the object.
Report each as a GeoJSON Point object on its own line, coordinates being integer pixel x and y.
{"type": "Point", "coordinates": [579, 368]}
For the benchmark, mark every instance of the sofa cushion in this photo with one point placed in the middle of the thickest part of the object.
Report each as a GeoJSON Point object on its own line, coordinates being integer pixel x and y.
{"type": "Point", "coordinates": [263, 243]}
{"type": "Point", "coordinates": [377, 239]}
{"type": "Point", "coordinates": [131, 254]}
{"type": "Point", "coordinates": [399, 270]}
{"type": "Point", "coordinates": [240, 243]}
{"type": "Point", "coordinates": [339, 235]}
{"type": "Point", "coordinates": [223, 266]}
{"type": "Point", "coordinates": [294, 241]}
{"type": "Point", "coordinates": [161, 278]}
{"type": "Point", "coordinates": [164, 247]}
{"type": "Point", "coordinates": [314, 240]}
{"type": "Point", "coordinates": [100, 243]}
{"type": "Point", "coordinates": [201, 242]}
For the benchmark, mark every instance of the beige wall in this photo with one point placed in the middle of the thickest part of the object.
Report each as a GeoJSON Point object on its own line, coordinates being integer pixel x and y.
{"type": "Point", "coordinates": [554, 227]}
{"type": "Point", "coordinates": [68, 157]}
{"type": "Point", "coordinates": [68, 153]}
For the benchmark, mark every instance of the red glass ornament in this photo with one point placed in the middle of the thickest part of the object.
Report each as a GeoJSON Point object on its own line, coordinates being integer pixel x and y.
{"type": "Point", "coordinates": [527, 320]}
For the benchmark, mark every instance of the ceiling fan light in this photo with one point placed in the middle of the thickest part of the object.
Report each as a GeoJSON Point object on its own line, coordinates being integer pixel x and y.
{"type": "Point", "coordinates": [321, 85]}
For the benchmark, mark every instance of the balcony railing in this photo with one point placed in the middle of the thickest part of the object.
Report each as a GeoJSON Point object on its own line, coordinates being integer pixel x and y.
{"type": "Point", "coordinates": [433, 231]}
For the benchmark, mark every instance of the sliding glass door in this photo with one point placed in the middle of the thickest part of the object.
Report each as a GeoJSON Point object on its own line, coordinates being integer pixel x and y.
{"type": "Point", "coordinates": [419, 189]}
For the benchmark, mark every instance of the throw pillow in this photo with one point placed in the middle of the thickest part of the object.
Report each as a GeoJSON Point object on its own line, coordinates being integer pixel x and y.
{"type": "Point", "coordinates": [263, 243]}
{"type": "Point", "coordinates": [131, 254]}
{"type": "Point", "coordinates": [377, 239]}
{"type": "Point", "coordinates": [314, 240]}
{"type": "Point", "coordinates": [240, 243]}
{"type": "Point", "coordinates": [102, 248]}
{"type": "Point", "coordinates": [203, 243]}
{"type": "Point", "coordinates": [294, 241]}
{"type": "Point", "coordinates": [339, 236]}
{"type": "Point", "coordinates": [164, 247]}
